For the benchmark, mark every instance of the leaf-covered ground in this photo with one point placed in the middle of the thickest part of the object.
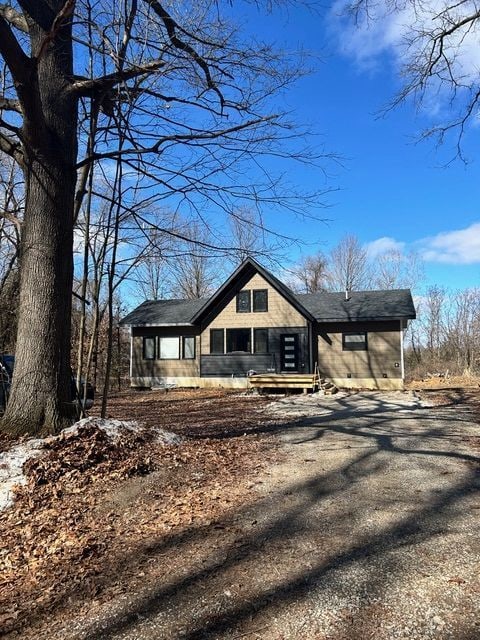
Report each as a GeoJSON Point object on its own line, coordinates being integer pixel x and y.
{"type": "Point", "coordinates": [90, 503]}
{"type": "Point", "coordinates": [349, 517]}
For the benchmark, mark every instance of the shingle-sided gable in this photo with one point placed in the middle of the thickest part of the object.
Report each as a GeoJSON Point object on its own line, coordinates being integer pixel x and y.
{"type": "Point", "coordinates": [237, 281]}
{"type": "Point", "coordinates": [280, 312]}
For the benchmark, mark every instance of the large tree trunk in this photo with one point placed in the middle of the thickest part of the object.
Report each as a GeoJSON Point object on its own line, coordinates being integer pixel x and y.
{"type": "Point", "coordinates": [40, 399]}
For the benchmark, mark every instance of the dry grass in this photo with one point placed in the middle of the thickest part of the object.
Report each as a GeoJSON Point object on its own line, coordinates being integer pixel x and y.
{"type": "Point", "coordinates": [450, 382]}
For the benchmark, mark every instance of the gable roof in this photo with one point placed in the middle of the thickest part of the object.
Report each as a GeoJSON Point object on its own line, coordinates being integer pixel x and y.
{"type": "Point", "coordinates": [239, 277]}
{"type": "Point", "coordinates": [324, 306]}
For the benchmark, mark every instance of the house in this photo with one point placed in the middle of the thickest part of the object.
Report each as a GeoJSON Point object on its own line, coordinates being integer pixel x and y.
{"type": "Point", "coordinates": [254, 323]}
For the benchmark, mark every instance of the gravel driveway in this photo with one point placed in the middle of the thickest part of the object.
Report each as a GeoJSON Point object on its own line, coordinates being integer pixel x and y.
{"type": "Point", "coordinates": [368, 528]}
{"type": "Point", "coordinates": [382, 511]}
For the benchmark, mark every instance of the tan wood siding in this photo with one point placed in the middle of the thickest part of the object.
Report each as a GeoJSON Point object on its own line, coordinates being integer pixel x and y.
{"type": "Point", "coordinates": [280, 314]}
{"type": "Point", "coordinates": [384, 351]}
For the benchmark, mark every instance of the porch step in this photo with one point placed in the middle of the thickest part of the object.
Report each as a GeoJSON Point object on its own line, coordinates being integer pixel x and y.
{"type": "Point", "coordinates": [284, 381]}
{"type": "Point", "coordinates": [328, 388]}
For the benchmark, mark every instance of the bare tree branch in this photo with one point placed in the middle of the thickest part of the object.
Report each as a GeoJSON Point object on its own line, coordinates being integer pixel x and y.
{"type": "Point", "coordinates": [11, 51]}
{"type": "Point", "coordinates": [61, 17]}
{"type": "Point", "coordinates": [8, 104]}
{"type": "Point", "coordinates": [193, 137]}
{"type": "Point", "coordinates": [11, 148]}
{"type": "Point", "coordinates": [7, 215]}
{"type": "Point", "coordinates": [435, 47]}
{"type": "Point", "coordinates": [13, 17]}
{"type": "Point", "coordinates": [171, 26]}
{"type": "Point", "coordinates": [87, 87]}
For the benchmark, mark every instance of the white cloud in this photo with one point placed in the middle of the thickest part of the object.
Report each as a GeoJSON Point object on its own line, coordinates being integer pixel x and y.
{"type": "Point", "coordinates": [393, 29]}
{"type": "Point", "coordinates": [456, 247]}
{"type": "Point", "coordinates": [401, 31]}
{"type": "Point", "coordinates": [461, 246]}
{"type": "Point", "coordinates": [383, 245]}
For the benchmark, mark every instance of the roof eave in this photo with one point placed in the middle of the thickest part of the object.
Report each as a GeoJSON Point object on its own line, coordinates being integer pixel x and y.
{"type": "Point", "coordinates": [366, 319]}
{"type": "Point", "coordinates": [156, 324]}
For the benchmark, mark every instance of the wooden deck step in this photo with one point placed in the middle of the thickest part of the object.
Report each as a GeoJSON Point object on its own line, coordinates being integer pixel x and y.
{"type": "Point", "coordinates": [292, 381]}
{"type": "Point", "coordinates": [328, 388]}
{"type": "Point", "coordinates": [284, 381]}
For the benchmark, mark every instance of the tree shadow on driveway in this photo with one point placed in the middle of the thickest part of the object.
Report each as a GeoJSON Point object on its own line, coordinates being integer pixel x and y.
{"type": "Point", "coordinates": [365, 527]}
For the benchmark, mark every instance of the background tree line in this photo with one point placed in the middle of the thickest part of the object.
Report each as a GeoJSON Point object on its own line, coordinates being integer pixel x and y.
{"type": "Point", "coordinates": [122, 260]}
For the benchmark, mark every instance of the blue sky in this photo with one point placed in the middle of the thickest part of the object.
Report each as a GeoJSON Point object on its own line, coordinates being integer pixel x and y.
{"type": "Point", "coordinates": [389, 185]}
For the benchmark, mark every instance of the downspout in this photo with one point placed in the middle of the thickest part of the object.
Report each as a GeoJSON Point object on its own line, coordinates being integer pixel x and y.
{"type": "Point", "coordinates": [200, 353]}
{"type": "Point", "coordinates": [402, 360]}
{"type": "Point", "coordinates": [310, 346]}
{"type": "Point", "coordinates": [131, 354]}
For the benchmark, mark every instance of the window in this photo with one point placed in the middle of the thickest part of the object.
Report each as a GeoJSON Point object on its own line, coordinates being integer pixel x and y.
{"type": "Point", "coordinates": [188, 350]}
{"type": "Point", "coordinates": [149, 348]}
{"type": "Point", "coordinates": [169, 348]}
{"type": "Point", "coordinates": [238, 340]}
{"type": "Point", "coordinates": [216, 341]}
{"type": "Point", "coordinates": [355, 341]}
{"type": "Point", "coordinates": [260, 340]}
{"type": "Point", "coordinates": [260, 300]}
{"type": "Point", "coordinates": [243, 301]}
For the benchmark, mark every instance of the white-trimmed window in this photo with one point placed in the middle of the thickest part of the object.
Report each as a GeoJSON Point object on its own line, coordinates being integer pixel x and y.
{"type": "Point", "coordinates": [169, 348]}
{"type": "Point", "coordinates": [149, 348]}
{"type": "Point", "coordinates": [355, 341]}
{"type": "Point", "coordinates": [188, 347]}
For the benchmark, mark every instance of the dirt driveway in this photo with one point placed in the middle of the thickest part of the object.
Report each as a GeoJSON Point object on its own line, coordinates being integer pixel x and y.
{"type": "Point", "coordinates": [365, 526]}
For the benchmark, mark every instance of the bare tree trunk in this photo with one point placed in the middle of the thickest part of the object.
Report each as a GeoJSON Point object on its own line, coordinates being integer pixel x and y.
{"type": "Point", "coordinates": [119, 355]}
{"type": "Point", "coordinates": [91, 349]}
{"type": "Point", "coordinates": [92, 359]}
{"type": "Point", "coordinates": [111, 284]}
{"type": "Point", "coordinates": [40, 397]}
{"type": "Point", "coordinates": [83, 291]}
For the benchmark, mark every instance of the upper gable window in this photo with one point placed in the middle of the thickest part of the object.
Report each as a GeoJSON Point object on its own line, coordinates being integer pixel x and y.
{"type": "Point", "coordinates": [243, 301]}
{"type": "Point", "coordinates": [260, 300]}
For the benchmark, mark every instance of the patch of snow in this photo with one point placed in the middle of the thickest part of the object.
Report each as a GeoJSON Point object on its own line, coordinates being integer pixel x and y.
{"type": "Point", "coordinates": [166, 437]}
{"type": "Point", "coordinates": [113, 428]}
{"type": "Point", "coordinates": [12, 461]}
{"type": "Point", "coordinates": [11, 465]}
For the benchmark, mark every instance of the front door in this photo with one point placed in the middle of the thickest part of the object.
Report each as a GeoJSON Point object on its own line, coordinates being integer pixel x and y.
{"type": "Point", "coordinates": [289, 352]}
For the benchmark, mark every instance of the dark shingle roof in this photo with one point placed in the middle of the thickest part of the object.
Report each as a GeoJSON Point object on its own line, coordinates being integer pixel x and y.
{"type": "Point", "coordinates": [163, 312]}
{"type": "Point", "coordinates": [361, 305]}
{"type": "Point", "coordinates": [323, 307]}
